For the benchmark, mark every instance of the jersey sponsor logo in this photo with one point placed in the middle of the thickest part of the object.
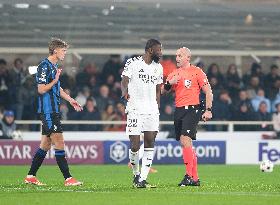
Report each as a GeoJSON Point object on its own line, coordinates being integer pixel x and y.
{"type": "Point", "coordinates": [43, 77]}
{"type": "Point", "coordinates": [147, 78]}
{"type": "Point", "coordinates": [188, 83]}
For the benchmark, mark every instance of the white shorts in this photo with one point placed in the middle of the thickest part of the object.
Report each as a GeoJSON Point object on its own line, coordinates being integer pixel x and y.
{"type": "Point", "coordinates": [138, 123]}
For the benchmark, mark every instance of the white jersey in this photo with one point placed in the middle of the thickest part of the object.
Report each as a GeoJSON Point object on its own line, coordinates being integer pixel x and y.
{"type": "Point", "coordinates": [143, 79]}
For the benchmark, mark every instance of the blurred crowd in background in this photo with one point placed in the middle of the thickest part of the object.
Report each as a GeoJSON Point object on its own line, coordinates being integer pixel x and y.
{"type": "Point", "coordinates": [252, 97]}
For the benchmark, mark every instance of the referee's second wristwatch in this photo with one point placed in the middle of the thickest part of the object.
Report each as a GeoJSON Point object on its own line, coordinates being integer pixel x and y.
{"type": "Point", "coordinates": [209, 109]}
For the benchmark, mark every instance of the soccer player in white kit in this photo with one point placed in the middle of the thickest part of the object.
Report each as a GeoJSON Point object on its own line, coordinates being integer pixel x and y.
{"type": "Point", "coordinates": [141, 80]}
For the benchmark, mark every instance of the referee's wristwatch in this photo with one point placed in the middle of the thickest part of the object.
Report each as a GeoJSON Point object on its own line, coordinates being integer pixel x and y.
{"type": "Point", "coordinates": [209, 109]}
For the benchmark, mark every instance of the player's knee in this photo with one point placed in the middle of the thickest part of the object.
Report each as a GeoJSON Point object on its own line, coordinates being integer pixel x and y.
{"type": "Point", "coordinates": [185, 141]}
{"type": "Point", "coordinates": [134, 147]}
{"type": "Point", "coordinates": [185, 144]}
{"type": "Point", "coordinates": [45, 146]}
{"type": "Point", "coordinates": [59, 145]}
{"type": "Point", "coordinates": [134, 144]}
{"type": "Point", "coordinates": [149, 144]}
{"type": "Point", "coordinates": [48, 147]}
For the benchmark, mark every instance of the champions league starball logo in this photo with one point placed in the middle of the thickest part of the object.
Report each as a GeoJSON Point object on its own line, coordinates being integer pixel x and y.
{"type": "Point", "coordinates": [188, 83]}
{"type": "Point", "coordinates": [118, 151]}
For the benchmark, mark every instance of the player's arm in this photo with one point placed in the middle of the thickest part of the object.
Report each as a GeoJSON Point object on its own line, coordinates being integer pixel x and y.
{"type": "Point", "coordinates": [43, 88]}
{"type": "Point", "coordinates": [158, 92]}
{"type": "Point", "coordinates": [171, 80]}
{"type": "Point", "coordinates": [166, 88]}
{"type": "Point", "coordinates": [124, 89]}
{"type": "Point", "coordinates": [206, 88]}
{"type": "Point", "coordinates": [65, 96]}
{"type": "Point", "coordinates": [209, 95]}
{"type": "Point", "coordinates": [72, 101]}
{"type": "Point", "coordinates": [124, 86]}
{"type": "Point", "coordinates": [126, 76]}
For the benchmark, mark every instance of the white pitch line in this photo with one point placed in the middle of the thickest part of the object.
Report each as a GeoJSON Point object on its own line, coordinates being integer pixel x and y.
{"type": "Point", "coordinates": [262, 194]}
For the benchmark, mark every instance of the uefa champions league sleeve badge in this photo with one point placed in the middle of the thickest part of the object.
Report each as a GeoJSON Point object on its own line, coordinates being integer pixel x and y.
{"type": "Point", "coordinates": [188, 83]}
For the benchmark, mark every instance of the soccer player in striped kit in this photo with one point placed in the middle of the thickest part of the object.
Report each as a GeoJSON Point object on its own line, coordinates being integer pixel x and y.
{"type": "Point", "coordinates": [49, 94]}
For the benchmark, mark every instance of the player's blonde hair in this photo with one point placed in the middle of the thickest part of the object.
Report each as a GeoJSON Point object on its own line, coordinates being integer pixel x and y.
{"type": "Point", "coordinates": [56, 43]}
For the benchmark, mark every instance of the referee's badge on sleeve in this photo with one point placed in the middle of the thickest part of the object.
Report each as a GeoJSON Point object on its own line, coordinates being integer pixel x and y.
{"type": "Point", "coordinates": [188, 83]}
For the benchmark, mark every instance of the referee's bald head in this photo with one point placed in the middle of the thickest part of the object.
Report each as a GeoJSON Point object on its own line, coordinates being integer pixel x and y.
{"type": "Point", "coordinates": [184, 51]}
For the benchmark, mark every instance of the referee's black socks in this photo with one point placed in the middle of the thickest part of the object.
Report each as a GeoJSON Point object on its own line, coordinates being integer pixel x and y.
{"type": "Point", "coordinates": [62, 163]}
{"type": "Point", "coordinates": [37, 161]}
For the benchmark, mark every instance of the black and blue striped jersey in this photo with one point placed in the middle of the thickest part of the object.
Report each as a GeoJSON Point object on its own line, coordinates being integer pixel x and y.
{"type": "Point", "coordinates": [48, 102]}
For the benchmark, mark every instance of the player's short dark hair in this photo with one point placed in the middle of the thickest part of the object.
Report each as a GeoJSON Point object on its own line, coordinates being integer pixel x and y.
{"type": "Point", "coordinates": [56, 43]}
{"type": "Point", "coordinates": [150, 43]}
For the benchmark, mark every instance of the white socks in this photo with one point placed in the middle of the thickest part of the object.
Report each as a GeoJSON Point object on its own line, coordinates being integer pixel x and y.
{"type": "Point", "coordinates": [146, 163]}
{"type": "Point", "coordinates": [134, 160]}
{"type": "Point", "coordinates": [141, 151]}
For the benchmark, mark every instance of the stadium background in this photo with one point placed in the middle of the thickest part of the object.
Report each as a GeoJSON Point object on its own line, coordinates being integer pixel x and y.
{"type": "Point", "coordinates": [223, 35]}
{"type": "Point", "coordinates": [102, 35]}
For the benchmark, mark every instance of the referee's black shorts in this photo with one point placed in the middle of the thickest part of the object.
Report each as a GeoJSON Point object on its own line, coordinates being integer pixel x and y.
{"type": "Point", "coordinates": [51, 123]}
{"type": "Point", "coordinates": [186, 120]}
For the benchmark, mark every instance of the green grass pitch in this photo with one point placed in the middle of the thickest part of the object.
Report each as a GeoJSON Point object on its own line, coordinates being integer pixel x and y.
{"type": "Point", "coordinates": [111, 184]}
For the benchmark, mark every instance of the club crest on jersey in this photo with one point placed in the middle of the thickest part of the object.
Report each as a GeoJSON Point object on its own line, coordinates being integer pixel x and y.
{"type": "Point", "coordinates": [188, 83]}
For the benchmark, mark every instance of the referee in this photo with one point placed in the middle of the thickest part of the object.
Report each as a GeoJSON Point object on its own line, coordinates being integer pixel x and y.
{"type": "Point", "coordinates": [186, 82]}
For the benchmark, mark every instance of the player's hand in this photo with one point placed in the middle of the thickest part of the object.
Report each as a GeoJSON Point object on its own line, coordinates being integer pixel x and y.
{"type": "Point", "coordinates": [174, 80]}
{"type": "Point", "coordinates": [124, 99]}
{"type": "Point", "coordinates": [76, 105]}
{"type": "Point", "coordinates": [207, 115]}
{"type": "Point", "coordinates": [57, 75]}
